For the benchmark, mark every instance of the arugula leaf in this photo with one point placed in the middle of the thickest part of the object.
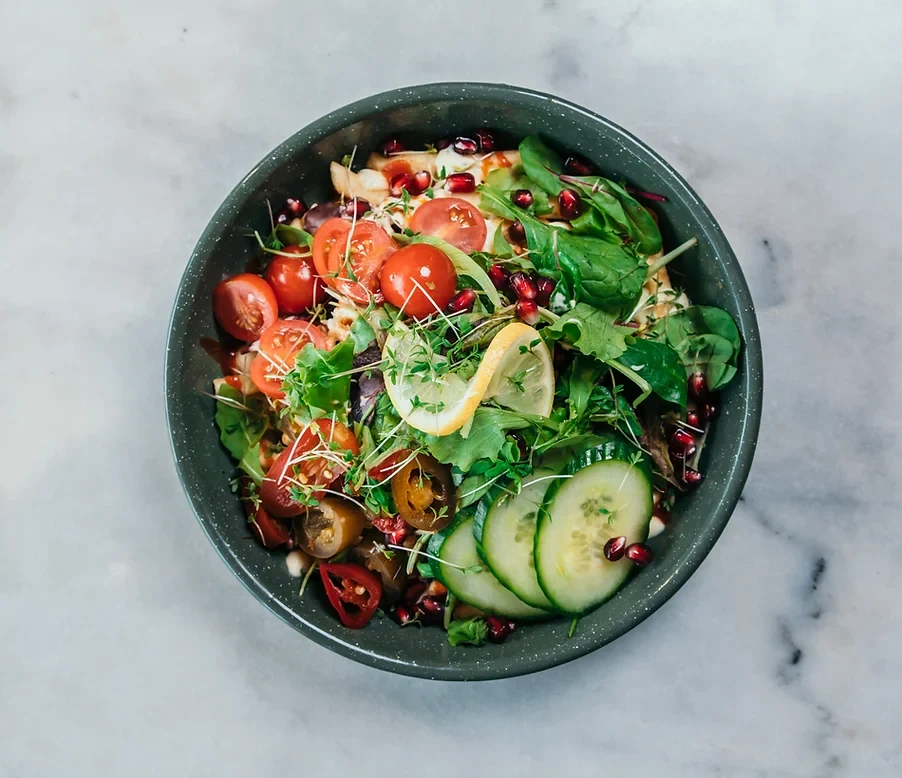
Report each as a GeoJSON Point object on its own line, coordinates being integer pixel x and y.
{"type": "Point", "coordinates": [486, 438]}
{"type": "Point", "coordinates": [613, 211]}
{"type": "Point", "coordinates": [598, 272]}
{"type": "Point", "coordinates": [362, 334]}
{"type": "Point", "coordinates": [593, 331]}
{"type": "Point", "coordinates": [463, 264]}
{"type": "Point", "coordinates": [659, 366]}
{"type": "Point", "coordinates": [472, 631]}
{"type": "Point", "coordinates": [239, 429]}
{"type": "Point", "coordinates": [510, 179]}
{"type": "Point", "coordinates": [315, 385]}
{"type": "Point", "coordinates": [588, 398]}
{"type": "Point", "coordinates": [250, 463]}
{"type": "Point", "coordinates": [706, 339]}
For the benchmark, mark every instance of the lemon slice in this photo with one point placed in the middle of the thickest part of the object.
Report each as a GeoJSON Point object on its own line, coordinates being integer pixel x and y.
{"type": "Point", "coordinates": [515, 371]}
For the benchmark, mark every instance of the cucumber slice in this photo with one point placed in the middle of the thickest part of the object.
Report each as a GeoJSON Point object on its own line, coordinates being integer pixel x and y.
{"type": "Point", "coordinates": [468, 578]}
{"type": "Point", "coordinates": [609, 495]}
{"type": "Point", "coordinates": [505, 532]}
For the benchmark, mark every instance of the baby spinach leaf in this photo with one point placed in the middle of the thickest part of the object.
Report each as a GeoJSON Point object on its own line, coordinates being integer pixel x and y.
{"type": "Point", "coordinates": [659, 366]}
{"type": "Point", "coordinates": [241, 420]}
{"type": "Point", "coordinates": [706, 339]}
{"type": "Point", "coordinates": [362, 334]}
{"type": "Point", "coordinates": [291, 236]}
{"type": "Point", "coordinates": [614, 212]}
{"type": "Point", "coordinates": [316, 386]}
{"type": "Point", "coordinates": [600, 273]}
{"type": "Point", "coordinates": [510, 179]}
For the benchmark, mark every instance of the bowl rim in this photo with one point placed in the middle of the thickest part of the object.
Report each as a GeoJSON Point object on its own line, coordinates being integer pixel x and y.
{"type": "Point", "coordinates": [751, 377]}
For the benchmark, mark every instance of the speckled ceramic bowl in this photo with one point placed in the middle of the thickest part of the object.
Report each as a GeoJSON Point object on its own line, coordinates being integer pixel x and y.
{"type": "Point", "coordinates": [299, 166]}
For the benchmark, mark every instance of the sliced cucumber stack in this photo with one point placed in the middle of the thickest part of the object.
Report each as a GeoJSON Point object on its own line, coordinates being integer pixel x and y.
{"type": "Point", "coordinates": [505, 533]}
{"type": "Point", "coordinates": [609, 495]}
{"type": "Point", "coordinates": [461, 569]}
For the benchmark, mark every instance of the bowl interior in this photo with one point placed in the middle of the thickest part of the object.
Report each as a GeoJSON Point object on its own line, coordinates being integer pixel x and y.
{"type": "Point", "coordinates": [299, 167]}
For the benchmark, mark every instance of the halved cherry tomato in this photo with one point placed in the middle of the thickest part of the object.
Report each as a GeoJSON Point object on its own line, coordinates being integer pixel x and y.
{"type": "Point", "coordinates": [419, 279]}
{"type": "Point", "coordinates": [270, 532]}
{"type": "Point", "coordinates": [337, 259]}
{"type": "Point", "coordinates": [451, 219]}
{"type": "Point", "coordinates": [279, 345]}
{"type": "Point", "coordinates": [387, 466]}
{"type": "Point", "coordinates": [356, 594]}
{"type": "Point", "coordinates": [315, 459]}
{"type": "Point", "coordinates": [244, 305]}
{"type": "Point", "coordinates": [294, 280]}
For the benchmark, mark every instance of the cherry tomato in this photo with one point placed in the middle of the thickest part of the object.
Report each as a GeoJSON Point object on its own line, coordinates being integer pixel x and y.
{"type": "Point", "coordinates": [294, 280]}
{"type": "Point", "coordinates": [349, 584]}
{"type": "Point", "coordinates": [386, 466]}
{"type": "Point", "coordinates": [244, 306]}
{"type": "Point", "coordinates": [270, 532]}
{"type": "Point", "coordinates": [279, 345]}
{"type": "Point", "coordinates": [419, 279]}
{"type": "Point", "coordinates": [453, 220]}
{"type": "Point", "coordinates": [299, 465]}
{"type": "Point", "coordinates": [367, 251]}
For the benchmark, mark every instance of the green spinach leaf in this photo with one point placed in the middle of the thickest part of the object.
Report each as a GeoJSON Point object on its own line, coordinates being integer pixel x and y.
{"type": "Point", "coordinates": [510, 179]}
{"type": "Point", "coordinates": [593, 331]}
{"type": "Point", "coordinates": [706, 339]}
{"type": "Point", "coordinates": [362, 334]}
{"type": "Point", "coordinates": [659, 366]}
{"type": "Point", "coordinates": [241, 420]}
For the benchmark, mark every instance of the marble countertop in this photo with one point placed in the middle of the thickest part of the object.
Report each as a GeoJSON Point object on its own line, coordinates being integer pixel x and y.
{"type": "Point", "coordinates": [128, 648]}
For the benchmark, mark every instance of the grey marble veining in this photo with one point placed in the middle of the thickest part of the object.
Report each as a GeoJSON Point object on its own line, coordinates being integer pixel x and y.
{"type": "Point", "coordinates": [127, 647]}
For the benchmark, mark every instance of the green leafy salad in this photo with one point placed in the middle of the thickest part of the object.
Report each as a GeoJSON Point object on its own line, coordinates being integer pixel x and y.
{"type": "Point", "coordinates": [467, 392]}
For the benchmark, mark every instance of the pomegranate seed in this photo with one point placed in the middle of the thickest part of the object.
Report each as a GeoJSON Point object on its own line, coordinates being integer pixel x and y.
{"type": "Point", "coordinates": [465, 145]}
{"type": "Point", "coordinates": [356, 208]}
{"type": "Point", "coordinates": [693, 419]}
{"type": "Point", "coordinates": [576, 165]}
{"type": "Point", "coordinates": [682, 444]}
{"type": "Point", "coordinates": [443, 143]}
{"type": "Point", "coordinates": [661, 513]}
{"type": "Point", "coordinates": [691, 478]}
{"type": "Point", "coordinates": [390, 146]}
{"type": "Point", "coordinates": [516, 233]}
{"type": "Point", "coordinates": [399, 183]}
{"type": "Point", "coordinates": [614, 549]}
{"type": "Point", "coordinates": [415, 589]}
{"type": "Point", "coordinates": [523, 286]}
{"type": "Point", "coordinates": [698, 386]}
{"type": "Point", "coordinates": [522, 447]}
{"type": "Point", "coordinates": [569, 204]}
{"type": "Point", "coordinates": [498, 275]}
{"type": "Point", "coordinates": [485, 139]}
{"type": "Point", "coordinates": [528, 311]}
{"type": "Point", "coordinates": [403, 615]}
{"type": "Point", "coordinates": [464, 300]}
{"type": "Point", "coordinates": [639, 554]}
{"type": "Point", "coordinates": [499, 629]}
{"type": "Point", "coordinates": [297, 207]}
{"type": "Point", "coordinates": [544, 288]}
{"type": "Point", "coordinates": [460, 183]}
{"type": "Point", "coordinates": [283, 217]}
{"type": "Point", "coordinates": [712, 410]}
{"type": "Point", "coordinates": [421, 182]}
{"type": "Point", "coordinates": [522, 198]}
{"type": "Point", "coordinates": [433, 604]}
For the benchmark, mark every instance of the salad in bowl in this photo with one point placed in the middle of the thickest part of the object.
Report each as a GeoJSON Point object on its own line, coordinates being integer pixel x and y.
{"type": "Point", "coordinates": [466, 391]}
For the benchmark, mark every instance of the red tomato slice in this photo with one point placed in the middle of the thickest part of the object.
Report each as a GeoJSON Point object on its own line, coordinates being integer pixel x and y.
{"type": "Point", "coordinates": [270, 532]}
{"type": "Point", "coordinates": [419, 279]}
{"type": "Point", "coordinates": [294, 280]}
{"type": "Point", "coordinates": [386, 466]}
{"type": "Point", "coordinates": [367, 251]}
{"type": "Point", "coordinates": [351, 585]}
{"type": "Point", "coordinates": [453, 220]}
{"type": "Point", "coordinates": [299, 465]}
{"type": "Point", "coordinates": [244, 306]}
{"type": "Point", "coordinates": [279, 345]}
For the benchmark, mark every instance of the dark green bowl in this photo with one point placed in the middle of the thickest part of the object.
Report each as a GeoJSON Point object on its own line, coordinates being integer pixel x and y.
{"type": "Point", "coordinates": [299, 166]}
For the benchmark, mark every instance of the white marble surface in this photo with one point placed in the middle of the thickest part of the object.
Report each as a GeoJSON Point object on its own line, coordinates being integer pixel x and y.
{"type": "Point", "coordinates": [128, 648]}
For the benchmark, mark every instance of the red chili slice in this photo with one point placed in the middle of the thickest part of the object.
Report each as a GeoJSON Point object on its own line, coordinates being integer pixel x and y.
{"type": "Point", "coordinates": [356, 595]}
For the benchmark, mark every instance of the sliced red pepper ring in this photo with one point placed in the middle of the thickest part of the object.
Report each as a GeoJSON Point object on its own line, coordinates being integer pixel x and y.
{"type": "Point", "coordinates": [356, 594]}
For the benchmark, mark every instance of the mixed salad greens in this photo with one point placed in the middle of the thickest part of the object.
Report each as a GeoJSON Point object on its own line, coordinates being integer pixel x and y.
{"type": "Point", "coordinates": [466, 392]}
